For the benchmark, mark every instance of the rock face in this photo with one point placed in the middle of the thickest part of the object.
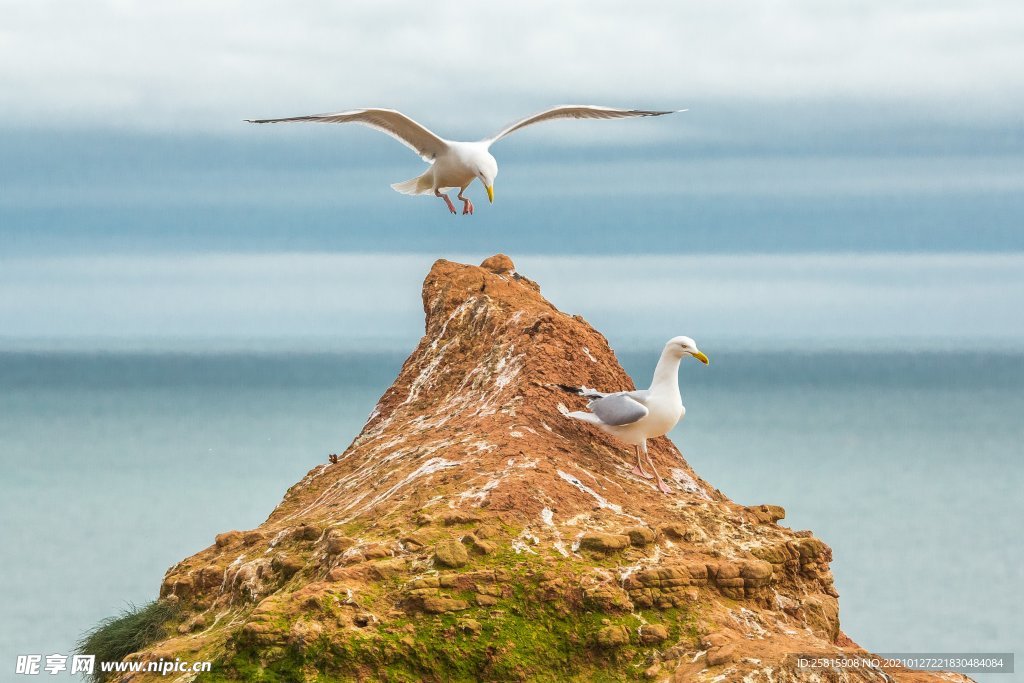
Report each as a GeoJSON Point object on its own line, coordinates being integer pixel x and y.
{"type": "Point", "coordinates": [472, 532]}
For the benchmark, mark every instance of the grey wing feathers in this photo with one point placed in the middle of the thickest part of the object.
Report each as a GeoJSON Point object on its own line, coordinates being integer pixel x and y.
{"type": "Point", "coordinates": [396, 124]}
{"type": "Point", "coordinates": [619, 409]}
{"type": "Point", "coordinates": [577, 111]}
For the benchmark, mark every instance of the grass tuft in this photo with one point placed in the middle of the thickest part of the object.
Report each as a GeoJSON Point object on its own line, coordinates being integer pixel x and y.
{"type": "Point", "coordinates": [115, 638]}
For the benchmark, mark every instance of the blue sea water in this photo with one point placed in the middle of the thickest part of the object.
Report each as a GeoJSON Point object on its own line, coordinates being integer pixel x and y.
{"type": "Point", "coordinates": [118, 464]}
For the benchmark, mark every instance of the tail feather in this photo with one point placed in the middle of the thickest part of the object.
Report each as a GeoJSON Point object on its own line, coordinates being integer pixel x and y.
{"type": "Point", "coordinates": [583, 416]}
{"type": "Point", "coordinates": [419, 185]}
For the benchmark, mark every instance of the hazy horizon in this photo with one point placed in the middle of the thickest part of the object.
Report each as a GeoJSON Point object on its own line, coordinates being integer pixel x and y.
{"type": "Point", "coordinates": [323, 301]}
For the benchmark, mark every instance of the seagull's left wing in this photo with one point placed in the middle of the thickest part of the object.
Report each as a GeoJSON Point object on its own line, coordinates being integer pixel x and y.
{"type": "Point", "coordinates": [617, 410]}
{"type": "Point", "coordinates": [577, 111]}
{"type": "Point", "coordinates": [413, 135]}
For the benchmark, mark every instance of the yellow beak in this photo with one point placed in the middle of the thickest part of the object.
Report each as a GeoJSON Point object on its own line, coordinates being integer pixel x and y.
{"type": "Point", "coordinates": [701, 357]}
{"type": "Point", "coordinates": [490, 193]}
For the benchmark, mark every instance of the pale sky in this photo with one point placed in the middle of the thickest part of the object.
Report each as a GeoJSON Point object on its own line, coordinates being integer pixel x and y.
{"type": "Point", "coordinates": [189, 65]}
{"type": "Point", "coordinates": [819, 131]}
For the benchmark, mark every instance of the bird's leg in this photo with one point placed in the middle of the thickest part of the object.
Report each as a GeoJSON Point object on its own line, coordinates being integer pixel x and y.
{"type": "Point", "coordinates": [638, 469]}
{"type": "Point", "coordinates": [451, 207]}
{"type": "Point", "coordinates": [662, 486]}
{"type": "Point", "coordinates": [467, 206]}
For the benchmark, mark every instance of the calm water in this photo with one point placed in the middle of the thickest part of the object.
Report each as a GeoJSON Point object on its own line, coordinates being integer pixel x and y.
{"type": "Point", "coordinates": [118, 465]}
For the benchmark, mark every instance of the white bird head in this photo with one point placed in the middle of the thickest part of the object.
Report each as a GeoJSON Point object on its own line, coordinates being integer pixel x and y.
{"type": "Point", "coordinates": [487, 170]}
{"type": "Point", "coordinates": [684, 346]}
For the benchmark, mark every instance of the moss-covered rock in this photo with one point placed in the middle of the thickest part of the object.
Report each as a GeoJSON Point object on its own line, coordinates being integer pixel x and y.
{"type": "Point", "coordinates": [451, 553]}
{"type": "Point", "coordinates": [640, 535]}
{"type": "Point", "coordinates": [652, 634]}
{"type": "Point", "coordinates": [611, 637]}
{"type": "Point", "coordinates": [479, 546]}
{"type": "Point", "coordinates": [439, 604]}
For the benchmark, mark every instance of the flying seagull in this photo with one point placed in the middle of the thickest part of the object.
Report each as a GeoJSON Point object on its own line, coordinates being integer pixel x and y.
{"type": "Point", "coordinates": [635, 416]}
{"type": "Point", "coordinates": [454, 165]}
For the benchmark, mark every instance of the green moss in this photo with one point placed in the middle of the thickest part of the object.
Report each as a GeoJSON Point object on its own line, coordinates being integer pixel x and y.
{"type": "Point", "coordinates": [115, 638]}
{"type": "Point", "coordinates": [520, 638]}
{"type": "Point", "coordinates": [681, 623]}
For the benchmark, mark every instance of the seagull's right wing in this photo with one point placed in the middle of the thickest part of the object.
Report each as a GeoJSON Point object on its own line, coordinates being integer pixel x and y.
{"type": "Point", "coordinates": [576, 111]}
{"type": "Point", "coordinates": [416, 137]}
{"type": "Point", "coordinates": [617, 410]}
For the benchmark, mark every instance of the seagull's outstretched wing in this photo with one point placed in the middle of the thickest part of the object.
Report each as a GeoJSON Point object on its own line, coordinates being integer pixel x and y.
{"type": "Point", "coordinates": [617, 410]}
{"type": "Point", "coordinates": [396, 124]}
{"type": "Point", "coordinates": [576, 111]}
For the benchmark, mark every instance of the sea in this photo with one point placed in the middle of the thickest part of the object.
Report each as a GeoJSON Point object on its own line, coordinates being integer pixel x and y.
{"type": "Point", "coordinates": [907, 462]}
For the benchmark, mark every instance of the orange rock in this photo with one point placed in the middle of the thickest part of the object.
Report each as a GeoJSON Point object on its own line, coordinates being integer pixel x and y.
{"type": "Point", "coordinates": [469, 447]}
{"type": "Point", "coordinates": [228, 538]}
{"type": "Point", "coordinates": [721, 655]}
{"type": "Point", "coordinates": [765, 514]}
{"type": "Point", "coordinates": [499, 263]}
{"type": "Point", "coordinates": [602, 542]}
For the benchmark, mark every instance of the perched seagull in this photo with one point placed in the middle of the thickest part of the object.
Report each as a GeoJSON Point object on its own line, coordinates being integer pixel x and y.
{"type": "Point", "coordinates": [635, 416]}
{"type": "Point", "coordinates": [454, 165]}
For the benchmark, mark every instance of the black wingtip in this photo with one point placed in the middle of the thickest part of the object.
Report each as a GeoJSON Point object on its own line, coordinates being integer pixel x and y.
{"type": "Point", "coordinates": [651, 112]}
{"type": "Point", "coordinates": [571, 389]}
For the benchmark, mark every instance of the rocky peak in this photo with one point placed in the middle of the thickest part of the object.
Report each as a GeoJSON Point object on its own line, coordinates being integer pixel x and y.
{"type": "Point", "coordinates": [474, 421]}
{"type": "Point", "coordinates": [472, 532]}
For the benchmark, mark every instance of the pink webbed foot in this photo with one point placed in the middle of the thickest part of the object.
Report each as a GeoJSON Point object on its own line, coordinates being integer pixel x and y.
{"type": "Point", "coordinates": [467, 207]}
{"type": "Point", "coordinates": [447, 200]}
{"type": "Point", "coordinates": [663, 487]}
{"type": "Point", "coordinates": [639, 471]}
